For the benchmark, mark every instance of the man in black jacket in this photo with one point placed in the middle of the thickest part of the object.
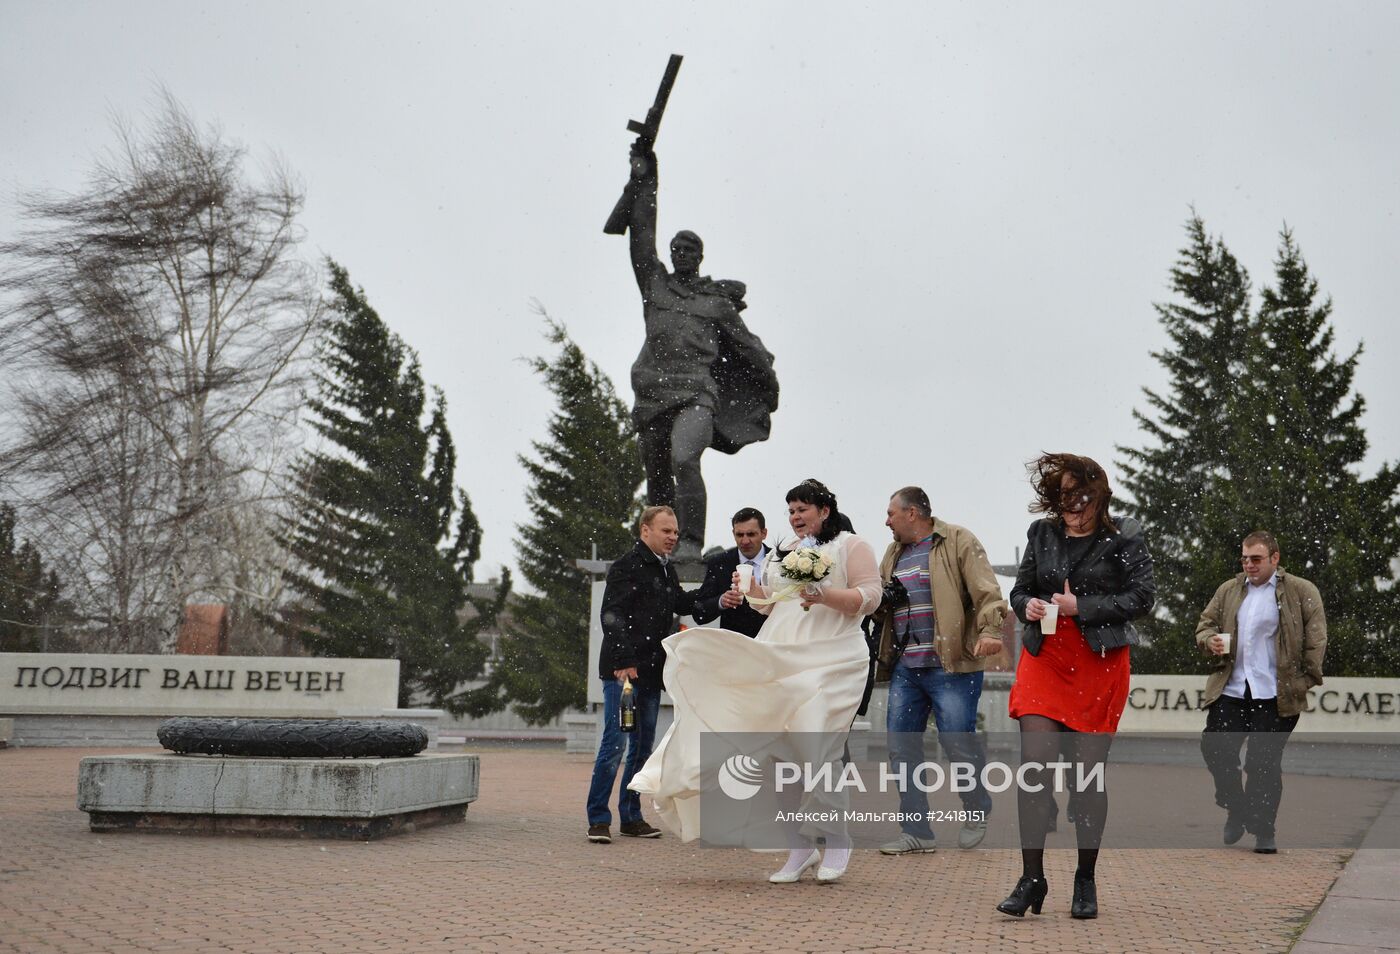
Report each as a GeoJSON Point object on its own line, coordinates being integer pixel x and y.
{"type": "Point", "coordinates": [640, 604]}
{"type": "Point", "coordinates": [717, 596]}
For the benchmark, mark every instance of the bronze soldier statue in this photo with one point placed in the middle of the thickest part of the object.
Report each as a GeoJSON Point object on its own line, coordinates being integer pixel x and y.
{"type": "Point", "coordinates": [702, 378]}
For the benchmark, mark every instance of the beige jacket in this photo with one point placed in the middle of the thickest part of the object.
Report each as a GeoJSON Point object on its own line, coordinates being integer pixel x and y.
{"type": "Point", "coordinates": [1301, 639]}
{"type": "Point", "coordinates": [967, 600]}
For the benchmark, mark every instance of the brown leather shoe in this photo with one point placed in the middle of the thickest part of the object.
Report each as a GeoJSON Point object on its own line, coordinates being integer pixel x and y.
{"type": "Point", "coordinates": [600, 834]}
{"type": "Point", "coordinates": [639, 829]}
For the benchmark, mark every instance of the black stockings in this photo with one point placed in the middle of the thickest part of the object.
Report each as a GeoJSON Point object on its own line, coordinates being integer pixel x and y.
{"type": "Point", "coordinates": [1044, 742]}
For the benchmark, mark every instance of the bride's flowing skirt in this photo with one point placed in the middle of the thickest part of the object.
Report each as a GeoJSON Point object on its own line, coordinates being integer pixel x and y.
{"type": "Point", "coordinates": [789, 695]}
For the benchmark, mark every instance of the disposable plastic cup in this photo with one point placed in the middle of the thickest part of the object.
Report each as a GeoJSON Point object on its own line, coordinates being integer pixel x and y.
{"type": "Point", "coordinates": [745, 577]}
{"type": "Point", "coordinates": [1051, 619]}
{"type": "Point", "coordinates": [1226, 637]}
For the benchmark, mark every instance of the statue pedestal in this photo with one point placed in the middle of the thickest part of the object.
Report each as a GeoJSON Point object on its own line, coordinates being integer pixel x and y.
{"type": "Point", "coordinates": [691, 573]}
{"type": "Point", "coordinates": [299, 797]}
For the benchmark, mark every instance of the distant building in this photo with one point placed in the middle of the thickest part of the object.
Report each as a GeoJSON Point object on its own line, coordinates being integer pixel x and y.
{"type": "Point", "coordinates": [491, 635]}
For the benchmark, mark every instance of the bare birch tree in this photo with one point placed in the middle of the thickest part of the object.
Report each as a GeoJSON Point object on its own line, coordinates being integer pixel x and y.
{"type": "Point", "coordinates": [152, 325]}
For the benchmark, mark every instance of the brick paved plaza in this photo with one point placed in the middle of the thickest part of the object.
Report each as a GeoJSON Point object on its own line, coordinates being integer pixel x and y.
{"type": "Point", "coordinates": [519, 876]}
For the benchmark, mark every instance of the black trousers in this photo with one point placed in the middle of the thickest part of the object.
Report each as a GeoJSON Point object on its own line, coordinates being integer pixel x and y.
{"type": "Point", "coordinates": [1252, 796]}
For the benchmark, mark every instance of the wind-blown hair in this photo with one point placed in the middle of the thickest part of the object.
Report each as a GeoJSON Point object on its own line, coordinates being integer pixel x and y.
{"type": "Point", "coordinates": [1047, 473]}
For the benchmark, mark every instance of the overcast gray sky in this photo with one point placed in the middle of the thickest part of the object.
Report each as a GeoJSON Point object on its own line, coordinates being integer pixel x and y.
{"type": "Point", "coordinates": [953, 218]}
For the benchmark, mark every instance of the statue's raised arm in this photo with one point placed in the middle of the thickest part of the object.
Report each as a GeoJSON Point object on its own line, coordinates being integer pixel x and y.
{"type": "Point", "coordinates": [646, 139]}
{"type": "Point", "coordinates": [641, 217]}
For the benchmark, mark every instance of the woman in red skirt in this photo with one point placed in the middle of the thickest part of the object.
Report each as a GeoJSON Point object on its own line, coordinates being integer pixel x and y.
{"type": "Point", "coordinates": [1084, 578]}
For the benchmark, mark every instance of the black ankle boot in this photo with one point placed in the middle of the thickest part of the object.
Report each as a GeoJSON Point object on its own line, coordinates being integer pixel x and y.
{"type": "Point", "coordinates": [1086, 897]}
{"type": "Point", "coordinates": [1028, 893]}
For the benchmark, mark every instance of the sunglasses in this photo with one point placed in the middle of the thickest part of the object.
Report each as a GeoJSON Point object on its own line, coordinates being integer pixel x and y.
{"type": "Point", "coordinates": [1252, 560]}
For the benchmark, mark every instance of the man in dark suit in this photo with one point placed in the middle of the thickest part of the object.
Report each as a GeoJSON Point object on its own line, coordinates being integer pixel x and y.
{"type": "Point", "coordinates": [640, 603]}
{"type": "Point", "coordinates": [717, 596]}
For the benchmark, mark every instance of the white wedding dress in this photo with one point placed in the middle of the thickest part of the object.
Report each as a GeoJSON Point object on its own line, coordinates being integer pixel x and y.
{"type": "Point", "coordinates": [791, 693]}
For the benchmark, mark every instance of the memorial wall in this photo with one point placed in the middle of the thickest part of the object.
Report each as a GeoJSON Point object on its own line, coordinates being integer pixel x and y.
{"type": "Point", "coordinates": [1340, 705]}
{"type": "Point", "coordinates": [195, 685]}
{"type": "Point", "coordinates": [117, 699]}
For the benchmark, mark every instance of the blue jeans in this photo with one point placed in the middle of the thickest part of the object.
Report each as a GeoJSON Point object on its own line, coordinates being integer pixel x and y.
{"type": "Point", "coordinates": [629, 803]}
{"type": "Point", "coordinates": [952, 697]}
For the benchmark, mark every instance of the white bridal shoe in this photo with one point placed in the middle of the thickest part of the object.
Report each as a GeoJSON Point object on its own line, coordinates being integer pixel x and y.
{"type": "Point", "coordinates": [829, 873]}
{"type": "Point", "coordinates": [793, 869]}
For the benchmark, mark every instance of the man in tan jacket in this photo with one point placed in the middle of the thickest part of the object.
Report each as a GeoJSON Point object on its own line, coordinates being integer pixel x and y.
{"type": "Point", "coordinates": [933, 647]}
{"type": "Point", "coordinates": [1264, 667]}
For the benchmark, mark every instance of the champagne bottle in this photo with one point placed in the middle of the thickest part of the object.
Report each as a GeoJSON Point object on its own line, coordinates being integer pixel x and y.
{"type": "Point", "coordinates": [628, 715]}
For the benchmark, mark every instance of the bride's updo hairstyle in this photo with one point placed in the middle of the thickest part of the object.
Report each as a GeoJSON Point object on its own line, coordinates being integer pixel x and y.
{"type": "Point", "coordinates": [817, 494]}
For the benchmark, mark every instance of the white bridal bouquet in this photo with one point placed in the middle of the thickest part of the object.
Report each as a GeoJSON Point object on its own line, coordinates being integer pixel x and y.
{"type": "Point", "coordinates": [804, 567]}
{"type": "Point", "coordinates": [807, 565]}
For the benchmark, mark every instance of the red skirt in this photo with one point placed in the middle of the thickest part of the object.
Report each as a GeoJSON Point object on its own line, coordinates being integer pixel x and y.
{"type": "Point", "coordinates": [1072, 684]}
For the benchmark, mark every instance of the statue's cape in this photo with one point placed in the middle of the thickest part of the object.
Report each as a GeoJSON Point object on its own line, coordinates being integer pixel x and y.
{"type": "Point", "coordinates": [699, 352]}
{"type": "Point", "coordinates": [744, 376]}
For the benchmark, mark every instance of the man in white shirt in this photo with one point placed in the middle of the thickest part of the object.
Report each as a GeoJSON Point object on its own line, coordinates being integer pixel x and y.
{"type": "Point", "coordinates": [1277, 635]}
{"type": "Point", "coordinates": [717, 595]}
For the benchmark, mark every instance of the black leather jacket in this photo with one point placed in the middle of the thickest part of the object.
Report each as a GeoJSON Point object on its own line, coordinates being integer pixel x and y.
{"type": "Point", "coordinates": [1113, 583]}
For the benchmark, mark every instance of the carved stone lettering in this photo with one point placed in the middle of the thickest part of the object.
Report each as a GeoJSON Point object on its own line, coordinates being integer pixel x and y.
{"type": "Point", "coordinates": [1358, 702]}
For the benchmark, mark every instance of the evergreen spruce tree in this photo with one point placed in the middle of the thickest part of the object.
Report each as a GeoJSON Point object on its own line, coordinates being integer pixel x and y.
{"type": "Point", "coordinates": [1261, 430]}
{"type": "Point", "coordinates": [384, 570]}
{"type": "Point", "coordinates": [1299, 440]}
{"type": "Point", "coordinates": [583, 492]}
{"type": "Point", "coordinates": [1170, 481]}
{"type": "Point", "coordinates": [31, 603]}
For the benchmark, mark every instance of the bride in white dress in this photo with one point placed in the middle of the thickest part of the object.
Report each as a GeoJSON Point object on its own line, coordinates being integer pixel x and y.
{"type": "Point", "coordinates": [797, 684]}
